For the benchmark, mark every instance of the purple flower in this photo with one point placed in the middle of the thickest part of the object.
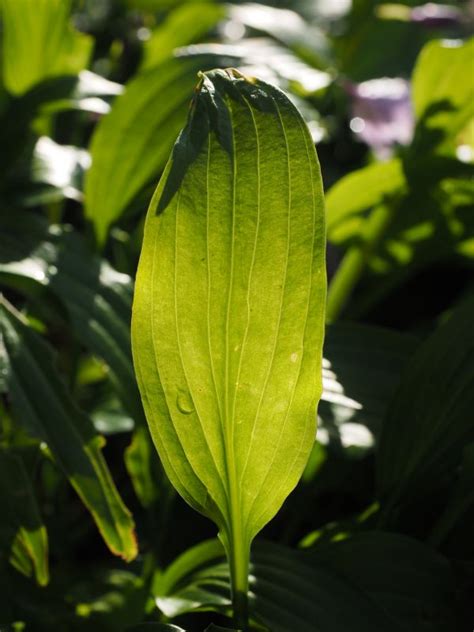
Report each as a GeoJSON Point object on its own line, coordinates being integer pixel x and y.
{"type": "Point", "coordinates": [436, 15]}
{"type": "Point", "coordinates": [382, 114]}
{"type": "Point", "coordinates": [429, 15]}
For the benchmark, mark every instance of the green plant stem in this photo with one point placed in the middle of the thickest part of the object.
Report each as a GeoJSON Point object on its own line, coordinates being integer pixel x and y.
{"type": "Point", "coordinates": [355, 260]}
{"type": "Point", "coordinates": [239, 556]}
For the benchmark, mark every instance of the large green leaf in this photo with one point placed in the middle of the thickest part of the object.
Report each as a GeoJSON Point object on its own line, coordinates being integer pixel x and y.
{"type": "Point", "coordinates": [227, 326]}
{"type": "Point", "coordinates": [38, 42]}
{"type": "Point", "coordinates": [430, 420]}
{"type": "Point", "coordinates": [365, 583]}
{"type": "Point", "coordinates": [20, 512]}
{"type": "Point", "coordinates": [42, 405]}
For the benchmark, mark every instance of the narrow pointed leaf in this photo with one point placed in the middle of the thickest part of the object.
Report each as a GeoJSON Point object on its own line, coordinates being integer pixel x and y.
{"type": "Point", "coordinates": [42, 405]}
{"type": "Point", "coordinates": [227, 326]}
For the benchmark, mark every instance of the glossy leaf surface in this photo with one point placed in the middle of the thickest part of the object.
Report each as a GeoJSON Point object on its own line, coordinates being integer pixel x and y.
{"type": "Point", "coordinates": [227, 325]}
{"type": "Point", "coordinates": [42, 405]}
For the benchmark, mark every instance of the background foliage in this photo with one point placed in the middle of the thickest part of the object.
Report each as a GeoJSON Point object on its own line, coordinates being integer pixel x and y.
{"type": "Point", "coordinates": [378, 534]}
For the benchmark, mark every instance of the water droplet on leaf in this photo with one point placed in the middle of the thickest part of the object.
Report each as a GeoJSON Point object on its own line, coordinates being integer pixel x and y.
{"type": "Point", "coordinates": [184, 402]}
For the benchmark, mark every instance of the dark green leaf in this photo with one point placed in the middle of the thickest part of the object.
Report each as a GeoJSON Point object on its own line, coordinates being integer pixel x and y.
{"type": "Point", "coordinates": [42, 405]}
{"type": "Point", "coordinates": [403, 577]}
{"type": "Point", "coordinates": [460, 500]}
{"type": "Point", "coordinates": [366, 583]}
{"type": "Point", "coordinates": [430, 420]}
{"type": "Point", "coordinates": [98, 298]}
{"type": "Point", "coordinates": [361, 369]}
{"type": "Point", "coordinates": [20, 511]}
{"type": "Point", "coordinates": [143, 467]}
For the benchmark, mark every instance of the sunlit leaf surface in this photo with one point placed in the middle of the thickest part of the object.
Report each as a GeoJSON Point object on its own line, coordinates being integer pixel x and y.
{"type": "Point", "coordinates": [40, 43]}
{"type": "Point", "coordinates": [228, 315]}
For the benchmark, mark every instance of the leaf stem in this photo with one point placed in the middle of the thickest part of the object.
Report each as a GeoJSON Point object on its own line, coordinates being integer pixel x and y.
{"type": "Point", "coordinates": [355, 260]}
{"type": "Point", "coordinates": [239, 556]}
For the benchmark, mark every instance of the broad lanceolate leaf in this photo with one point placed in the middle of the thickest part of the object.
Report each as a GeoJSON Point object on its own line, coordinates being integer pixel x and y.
{"type": "Point", "coordinates": [29, 539]}
{"type": "Point", "coordinates": [227, 326]}
{"type": "Point", "coordinates": [39, 42]}
{"type": "Point", "coordinates": [41, 403]}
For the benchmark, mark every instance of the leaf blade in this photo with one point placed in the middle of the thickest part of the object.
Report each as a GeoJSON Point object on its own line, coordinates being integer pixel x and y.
{"type": "Point", "coordinates": [210, 286]}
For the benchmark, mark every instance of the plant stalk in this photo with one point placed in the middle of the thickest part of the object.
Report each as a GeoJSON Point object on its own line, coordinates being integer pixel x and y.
{"type": "Point", "coordinates": [239, 557]}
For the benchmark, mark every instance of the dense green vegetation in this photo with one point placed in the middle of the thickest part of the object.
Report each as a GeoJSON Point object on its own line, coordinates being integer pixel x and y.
{"type": "Point", "coordinates": [228, 352]}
